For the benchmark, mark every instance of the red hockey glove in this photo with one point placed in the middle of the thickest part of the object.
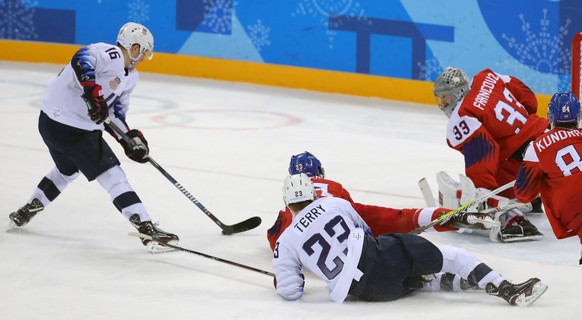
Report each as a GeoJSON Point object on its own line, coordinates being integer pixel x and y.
{"type": "Point", "coordinates": [98, 110]}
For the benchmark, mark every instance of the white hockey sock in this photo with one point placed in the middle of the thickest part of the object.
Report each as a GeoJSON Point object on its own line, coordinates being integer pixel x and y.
{"type": "Point", "coordinates": [115, 182]}
{"type": "Point", "coordinates": [51, 180]}
{"type": "Point", "coordinates": [461, 262]}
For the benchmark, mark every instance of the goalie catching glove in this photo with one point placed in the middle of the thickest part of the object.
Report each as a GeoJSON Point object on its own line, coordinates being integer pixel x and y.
{"type": "Point", "coordinates": [137, 147]}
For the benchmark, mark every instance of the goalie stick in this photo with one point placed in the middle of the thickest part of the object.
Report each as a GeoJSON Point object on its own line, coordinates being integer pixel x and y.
{"type": "Point", "coordinates": [167, 245]}
{"type": "Point", "coordinates": [461, 208]}
{"type": "Point", "coordinates": [245, 225]}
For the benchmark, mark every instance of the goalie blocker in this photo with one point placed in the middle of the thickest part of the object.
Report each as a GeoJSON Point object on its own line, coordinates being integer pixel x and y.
{"type": "Point", "coordinates": [514, 226]}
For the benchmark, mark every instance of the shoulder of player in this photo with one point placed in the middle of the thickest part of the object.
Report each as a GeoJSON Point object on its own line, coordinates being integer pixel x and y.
{"type": "Point", "coordinates": [333, 202]}
{"type": "Point", "coordinates": [106, 49]}
{"type": "Point", "coordinates": [461, 128]}
{"type": "Point", "coordinates": [286, 238]}
{"type": "Point", "coordinates": [550, 137]}
{"type": "Point", "coordinates": [321, 205]}
{"type": "Point", "coordinates": [530, 153]}
{"type": "Point", "coordinates": [109, 55]}
{"type": "Point", "coordinates": [326, 181]}
{"type": "Point", "coordinates": [461, 114]}
{"type": "Point", "coordinates": [332, 185]}
{"type": "Point", "coordinates": [483, 73]}
{"type": "Point", "coordinates": [485, 78]}
{"type": "Point", "coordinates": [567, 132]}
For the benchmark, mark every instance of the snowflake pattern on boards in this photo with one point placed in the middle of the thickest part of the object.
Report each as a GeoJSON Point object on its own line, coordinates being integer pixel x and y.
{"type": "Point", "coordinates": [324, 9]}
{"type": "Point", "coordinates": [218, 15]}
{"type": "Point", "coordinates": [538, 82]}
{"type": "Point", "coordinates": [139, 11]}
{"type": "Point", "coordinates": [541, 52]}
{"type": "Point", "coordinates": [430, 70]}
{"type": "Point", "coordinates": [259, 35]}
{"type": "Point", "coordinates": [16, 19]}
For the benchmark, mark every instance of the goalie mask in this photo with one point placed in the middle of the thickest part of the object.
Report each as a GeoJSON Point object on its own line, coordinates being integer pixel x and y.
{"type": "Point", "coordinates": [306, 163]}
{"type": "Point", "coordinates": [564, 108]}
{"type": "Point", "coordinates": [134, 33]}
{"type": "Point", "coordinates": [450, 87]}
{"type": "Point", "coordinates": [298, 188]}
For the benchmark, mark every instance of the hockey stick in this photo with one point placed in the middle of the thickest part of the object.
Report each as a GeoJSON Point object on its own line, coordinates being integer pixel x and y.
{"type": "Point", "coordinates": [426, 192]}
{"type": "Point", "coordinates": [145, 236]}
{"type": "Point", "coordinates": [248, 224]}
{"type": "Point", "coordinates": [461, 208]}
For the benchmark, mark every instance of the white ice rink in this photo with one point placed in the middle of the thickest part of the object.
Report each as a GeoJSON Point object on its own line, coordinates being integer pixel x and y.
{"type": "Point", "coordinates": [229, 144]}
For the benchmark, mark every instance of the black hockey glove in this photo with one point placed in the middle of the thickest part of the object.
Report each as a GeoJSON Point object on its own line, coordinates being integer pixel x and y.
{"type": "Point", "coordinates": [97, 106]}
{"type": "Point", "coordinates": [137, 148]}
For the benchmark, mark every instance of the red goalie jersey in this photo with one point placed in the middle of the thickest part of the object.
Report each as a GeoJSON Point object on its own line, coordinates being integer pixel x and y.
{"type": "Point", "coordinates": [492, 125]}
{"type": "Point", "coordinates": [552, 167]}
{"type": "Point", "coordinates": [379, 219]}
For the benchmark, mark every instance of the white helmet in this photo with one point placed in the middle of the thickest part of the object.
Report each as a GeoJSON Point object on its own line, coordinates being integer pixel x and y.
{"type": "Point", "coordinates": [134, 33]}
{"type": "Point", "coordinates": [453, 82]}
{"type": "Point", "coordinates": [298, 188]}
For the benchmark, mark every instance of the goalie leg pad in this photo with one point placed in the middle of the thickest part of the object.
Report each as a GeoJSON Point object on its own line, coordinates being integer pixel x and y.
{"type": "Point", "coordinates": [450, 191]}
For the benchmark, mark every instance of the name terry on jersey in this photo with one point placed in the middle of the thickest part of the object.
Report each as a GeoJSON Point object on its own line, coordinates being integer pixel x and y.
{"type": "Point", "coordinates": [309, 217]}
{"type": "Point", "coordinates": [485, 90]}
{"type": "Point", "coordinates": [555, 137]}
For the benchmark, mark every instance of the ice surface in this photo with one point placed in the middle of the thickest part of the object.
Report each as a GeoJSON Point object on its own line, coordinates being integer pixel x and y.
{"type": "Point", "coordinates": [229, 145]}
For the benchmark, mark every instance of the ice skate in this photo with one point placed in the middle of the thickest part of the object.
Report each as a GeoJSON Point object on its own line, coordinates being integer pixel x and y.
{"type": "Point", "coordinates": [159, 235]}
{"type": "Point", "coordinates": [520, 229]}
{"type": "Point", "coordinates": [522, 294]}
{"type": "Point", "coordinates": [23, 215]}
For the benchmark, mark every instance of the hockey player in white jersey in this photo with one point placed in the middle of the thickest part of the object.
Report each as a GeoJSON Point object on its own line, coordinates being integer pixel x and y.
{"type": "Point", "coordinates": [328, 238]}
{"type": "Point", "coordinates": [93, 87]}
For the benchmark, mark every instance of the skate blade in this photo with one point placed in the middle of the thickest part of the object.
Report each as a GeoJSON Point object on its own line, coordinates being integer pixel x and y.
{"type": "Point", "coordinates": [537, 291]}
{"type": "Point", "coordinates": [155, 248]}
{"type": "Point", "coordinates": [520, 239]}
{"type": "Point", "coordinates": [494, 234]}
{"type": "Point", "coordinates": [12, 226]}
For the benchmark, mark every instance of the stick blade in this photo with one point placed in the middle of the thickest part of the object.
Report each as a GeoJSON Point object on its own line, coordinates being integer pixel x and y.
{"type": "Point", "coordinates": [246, 225]}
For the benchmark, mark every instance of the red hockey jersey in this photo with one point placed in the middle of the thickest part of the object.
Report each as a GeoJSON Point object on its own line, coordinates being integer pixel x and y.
{"type": "Point", "coordinates": [552, 168]}
{"type": "Point", "coordinates": [492, 124]}
{"type": "Point", "coordinates": [379, 219]}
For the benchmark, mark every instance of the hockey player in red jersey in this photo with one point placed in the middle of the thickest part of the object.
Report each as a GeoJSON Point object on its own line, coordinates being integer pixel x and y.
{"type": "Point", "coordinates": [491, 121]}
{"type": "Point", "coordinates": [380, 219]}
{"type": "Point", "coordinates": [552, 167]}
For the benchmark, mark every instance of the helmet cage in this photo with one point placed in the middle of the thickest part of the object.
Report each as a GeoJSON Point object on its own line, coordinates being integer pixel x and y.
{"type": "Point", "coordinates": [452, 82]}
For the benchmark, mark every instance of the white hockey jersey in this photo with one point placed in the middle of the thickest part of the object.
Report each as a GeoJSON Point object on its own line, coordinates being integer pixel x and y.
{"type": "Point", "coordinates": [63, 102]}
{"type": "Point", "coordinates": [327, 239]}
